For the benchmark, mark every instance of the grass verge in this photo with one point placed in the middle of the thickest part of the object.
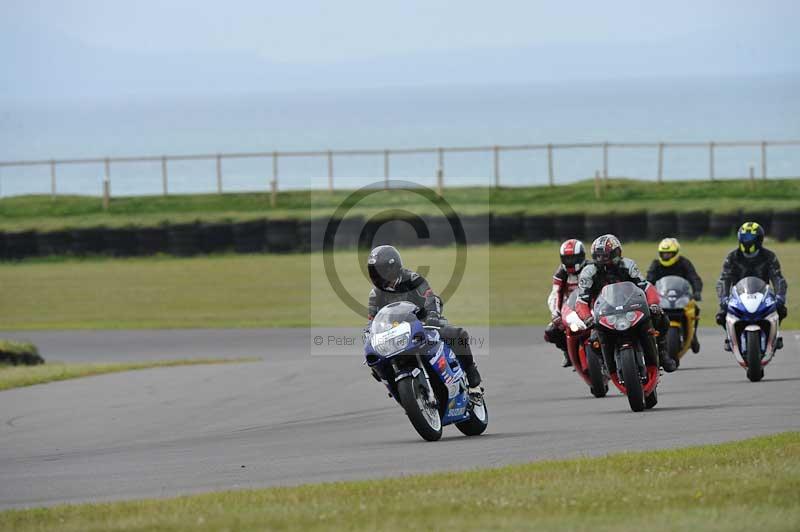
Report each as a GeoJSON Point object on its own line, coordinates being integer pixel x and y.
{"type": "Point", "coordinates": [748, 485]}
{"type": "Point", "coordinates": [18, 376]}
{"type": "Point", "coordinates": [43, 213]}
{"type": "Point", "coordinates": [502, 285]}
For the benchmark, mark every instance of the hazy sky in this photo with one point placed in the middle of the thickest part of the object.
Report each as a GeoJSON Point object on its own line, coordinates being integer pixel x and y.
{"type": "Point", "coordinates": [146, 45]}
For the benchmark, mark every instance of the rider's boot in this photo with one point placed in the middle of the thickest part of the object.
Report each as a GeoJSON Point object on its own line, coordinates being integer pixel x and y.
{"type": "Point", "coordinates": [727, 345]}
{"type": "Point", "coordinates": [695, 343]}
{"type": "Point", "coordinates": [474, 382]}
{"type": "Point", "coordinates": [567, 362]}
{"type": "Point", "coordinates": [667, 362]}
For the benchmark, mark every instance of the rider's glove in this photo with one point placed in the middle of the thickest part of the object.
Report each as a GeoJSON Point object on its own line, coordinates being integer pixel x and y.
{"type": "Point", "coordinates": [723, 303]}
{"type": "Point", "coordinates": [720, 317]}
{"type": "Point", "coordinates": [656, 310]}
{"type": "Point", "coordinates": [557, 322]}
{"type": "Point", "coordinates": [433, 319]}
{"type": "Point", "coordinates": [588, 320]}
{"type": "Point", "coordinates": [698, 296]}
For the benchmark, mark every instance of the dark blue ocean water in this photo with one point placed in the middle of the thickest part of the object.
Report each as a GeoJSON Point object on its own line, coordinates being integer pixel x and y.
{"type": "Point", "coordinates": [723, 109]}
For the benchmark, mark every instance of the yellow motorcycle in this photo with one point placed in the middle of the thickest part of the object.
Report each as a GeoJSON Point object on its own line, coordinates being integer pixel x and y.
{"type": "Point", "coordinates": [679, 305]}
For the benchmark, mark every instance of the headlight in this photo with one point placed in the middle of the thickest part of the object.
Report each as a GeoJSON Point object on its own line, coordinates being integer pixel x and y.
{"type": "Point", "coordinates": [612, 319]}
{"type": "Point", "coordinates": [630, 316]}
{"type": "Point", "coordinates": [622, 324]}
{"type": "Point", "coordinates": [392, 341]}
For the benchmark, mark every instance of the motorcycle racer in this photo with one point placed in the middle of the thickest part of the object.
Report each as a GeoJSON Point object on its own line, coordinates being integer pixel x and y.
{"type": "Point", "coordinates": [671, 262]}
{"type": "Point", "coordinates": [608, 266]}
{"type": "Point", "coordinates": [565, 281]}
{"type": "Point", "coordinates": [391, 283]}
{"type": "Point", "coordinates": [750, 258]}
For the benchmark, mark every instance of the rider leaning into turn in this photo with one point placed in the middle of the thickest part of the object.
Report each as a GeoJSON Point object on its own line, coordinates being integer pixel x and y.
{"type": "Point", "coordinates": [608, 266]}
{"type": "Point", "coordinates": [751, 258]}
{"type": "Point", "coordinates": [391, 283]}
{"type": "Point", "coordinates": [565, 281]}
{"type": "Point", "coordinates": [671, 262]}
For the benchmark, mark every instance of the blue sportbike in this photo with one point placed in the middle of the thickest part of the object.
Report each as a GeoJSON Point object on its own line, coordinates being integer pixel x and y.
{"type": "Point", "coordinates": [752, 325]}
{"type": "Point", "coordinates": [421, 373]}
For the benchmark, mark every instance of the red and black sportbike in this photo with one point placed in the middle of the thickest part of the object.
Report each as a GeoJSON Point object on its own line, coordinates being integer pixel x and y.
{"type": "Point", "coordinates": [586, 358]}
{"type": "Point", "coordinates": [622, 311]}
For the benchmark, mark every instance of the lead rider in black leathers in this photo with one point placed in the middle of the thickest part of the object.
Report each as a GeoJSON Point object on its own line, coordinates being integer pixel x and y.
{"type": "Point", "coordinates": [608, 267]}
{"type": "Point", "coordinates": [391, 283]}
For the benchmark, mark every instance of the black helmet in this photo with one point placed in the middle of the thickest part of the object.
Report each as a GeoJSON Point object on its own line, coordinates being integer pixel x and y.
{"type": "Point", "coordinates": [751, 238]}
{"type": "Point", "coordinates": [606, 251]}
{"type": "Point", "coordinates": [385, 267]}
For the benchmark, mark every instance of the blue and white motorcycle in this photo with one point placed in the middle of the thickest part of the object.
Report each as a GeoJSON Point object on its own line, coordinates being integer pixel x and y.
{"type": "Point", "coordinates": [421, 373]}
{"type": "Point", "coordinates": [752, 325]}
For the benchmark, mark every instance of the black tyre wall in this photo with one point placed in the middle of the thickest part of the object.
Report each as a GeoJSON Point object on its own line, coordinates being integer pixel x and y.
{"type": "Point", "coordinates": [723, 223]}
{"type": "Point", "coordinates": [215, 237]}
{"type": "Point", "coordinates": [21, 244]}
{"type": "Point", "coordinates": [505, 228]}
{"type": "Point", "coordinates": [151, 240]}
{"type": "Point", "coordinates": [54, 243]}
{"type": "Point", "coordinates": [786, 225]}
{"type": "Point", "coordinates": [692, 224]}
{"type": "Point", "coordinates": [250, 236]}
{"type": "Point", "coordinates": [281, 236]}
{"type": "Point", "coordinates": [567, 226]}
{"type": "Point", "coordinates": [89, 241]}
{"type": "Point", "coordinates": [537, 228]}
{"type": "Point", "coordinates": [183, 239]}
{"type": "Point", "coordinates": [661, 225]}
{"type": "Point", "coordinates": [630, 226]}
{"type": "Point", "coordinates": [121, 242]}
{"type": "Point", "coordinates": [599, 224]}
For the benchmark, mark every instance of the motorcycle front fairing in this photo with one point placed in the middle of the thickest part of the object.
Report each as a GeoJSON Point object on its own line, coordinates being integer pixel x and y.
{"type": "Point", "coordinates": [444, 364]}
{"type": "Point", "coordinates": [752, 307]}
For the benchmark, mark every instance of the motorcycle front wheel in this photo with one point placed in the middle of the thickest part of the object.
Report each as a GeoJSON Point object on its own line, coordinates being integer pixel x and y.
{"type": "Point", "coordinates": [633, 380]}
{"type": "Point", "coordinates": [477, 422]}
{"type": "Point", "coordinates": [674, 344]}
{"type": "Point", "coordinates": [599, 387]}
{"type": "Point", "coordinates": [754, 369]}
{"type": "Point", "coordinates": [423, 414]}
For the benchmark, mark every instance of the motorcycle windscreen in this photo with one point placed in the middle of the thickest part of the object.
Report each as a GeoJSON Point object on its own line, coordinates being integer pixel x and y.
{"type": "Point", "coordinates": [674, 291]}
{"type": "Point", "coordinates": [751, 285]}
{"type": "Point", "coordinates": [392, 315]}
{"type": "Point", "coordinates": [620, 297]}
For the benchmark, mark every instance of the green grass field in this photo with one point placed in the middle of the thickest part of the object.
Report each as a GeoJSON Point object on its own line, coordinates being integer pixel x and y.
{"type": "Point", "coordinates": [43, 213]}
{"type": "Point", "coordinates": [503, 285]}
{"type": "Point", "coordinates": [740, 486]}
{"type": "Point", "coordinates": [18, 376]}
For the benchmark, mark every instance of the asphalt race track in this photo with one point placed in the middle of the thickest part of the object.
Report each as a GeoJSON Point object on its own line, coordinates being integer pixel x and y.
{"type": "Point", "coordinates": [301, 416]}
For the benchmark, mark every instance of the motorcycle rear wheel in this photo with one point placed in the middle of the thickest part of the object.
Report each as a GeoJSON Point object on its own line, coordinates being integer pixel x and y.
{"type": "Point", "coordinates": [599, 387]}
{"type": "Point", "coordinates": [413, 397]}
{"type": "Point", "coordinates": [755, 372]}
{"type": "Point", "coordinates": [633, 380]}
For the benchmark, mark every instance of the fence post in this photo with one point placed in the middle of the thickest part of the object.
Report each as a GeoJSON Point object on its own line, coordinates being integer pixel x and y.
{"type": "Point", "coordinates": [660, 162]}
{"type": "Point", "coordinates": [752, 177]}
{"type": "Point", "coordinates": [711, 160]}
{"type": "Point", "coordinates": [440, 172]}
{"type": "Point", "coordinates": [496, 151]}
{"type": "Point", "coordinates": [219, 174]}
{"type": "Point", "coordinates": [330, 171]}
{"type": "Point", "coordinates": [597, 191]}
{"type": "Point", "coordinates": [52, 180]}
{"type": "Point", "coordinates": [763, 159]}
{"type": "Point", "coordinates": [550, 165]}
{"type": "Point", "coordinates": [164, 175]}
{"type": "Point", "coordinates": [605, 161]}
{"type": "Point", "coordinates": [386, 169]}
{"type": "Point", "coordinates": [107, 185]}
{"type": "Point", "coordinates": [273, 199]}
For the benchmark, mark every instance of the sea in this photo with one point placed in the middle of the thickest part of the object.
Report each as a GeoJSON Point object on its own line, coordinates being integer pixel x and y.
{"type": "Point", "coordinates": [616, 111]}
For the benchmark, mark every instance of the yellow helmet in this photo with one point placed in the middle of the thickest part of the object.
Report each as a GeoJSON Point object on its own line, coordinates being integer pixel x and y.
{"type": "Point", "coordinates": [669, 251]}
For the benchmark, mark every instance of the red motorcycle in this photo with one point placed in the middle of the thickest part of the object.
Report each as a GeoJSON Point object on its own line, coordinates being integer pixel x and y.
{"type": "Point", "coordinates": [622, 310]}
{"type": "Point", "coordinates": [586, 358]}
